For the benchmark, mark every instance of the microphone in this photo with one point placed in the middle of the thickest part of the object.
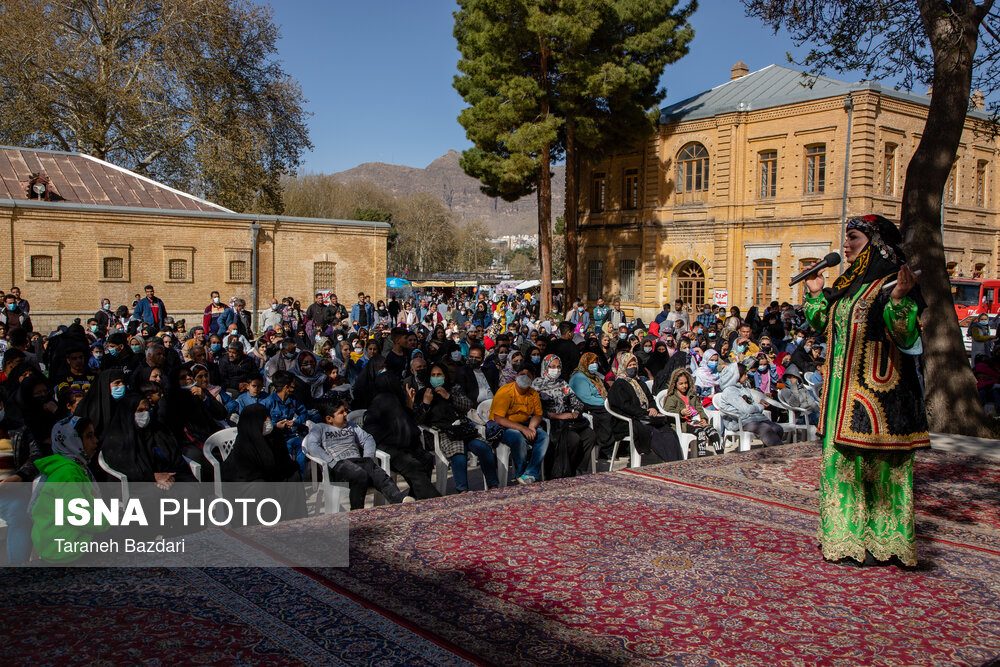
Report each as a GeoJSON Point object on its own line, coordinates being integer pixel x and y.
{"type": "Point", "coordinates": [833, 259]}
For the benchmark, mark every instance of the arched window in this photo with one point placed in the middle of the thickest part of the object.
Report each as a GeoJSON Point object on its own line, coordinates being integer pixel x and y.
{"type": "Point", "coordinates": [692, 173]}
{"type": "Point", "coordinates": [691, 284]}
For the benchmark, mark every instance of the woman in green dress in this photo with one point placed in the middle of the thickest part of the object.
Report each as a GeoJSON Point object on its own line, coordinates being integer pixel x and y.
{"type": "Point", "coordinates": [873, 415]}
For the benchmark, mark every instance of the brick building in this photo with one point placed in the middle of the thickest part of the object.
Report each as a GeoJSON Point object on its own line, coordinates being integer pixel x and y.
{"type": "Point", "coordinates": [91, 230]}
{"type": "Point", "coordinates": [743, 185]}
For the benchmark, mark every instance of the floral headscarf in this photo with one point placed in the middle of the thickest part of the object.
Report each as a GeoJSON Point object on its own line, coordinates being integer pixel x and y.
{"type": "Point", "coordinates": [586, 359]}
{"type": "Point", "coordinates": [67, 442]}
{"type": "Point", "coordinates": [623, 362]}
{"type": "Point", "coordinates": [555, 390]}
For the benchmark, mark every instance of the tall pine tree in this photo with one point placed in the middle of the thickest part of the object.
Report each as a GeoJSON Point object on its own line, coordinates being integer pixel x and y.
{"type": "Point", "coordinates": [548, 77]}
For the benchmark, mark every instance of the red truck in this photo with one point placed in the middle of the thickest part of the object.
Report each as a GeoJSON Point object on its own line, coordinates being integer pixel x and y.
{"type": "Point", "coordinates": [974, 296]}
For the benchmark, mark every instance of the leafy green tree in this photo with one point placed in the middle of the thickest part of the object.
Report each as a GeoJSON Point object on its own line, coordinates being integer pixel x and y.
{"type": "Point", "coordinates": [951, 45]}
{"type": "Point", "coordinates": [184, 91]}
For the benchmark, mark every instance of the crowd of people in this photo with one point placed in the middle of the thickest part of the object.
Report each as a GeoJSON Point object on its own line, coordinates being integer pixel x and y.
{"type": "Point", "coordinates": [559, 390]}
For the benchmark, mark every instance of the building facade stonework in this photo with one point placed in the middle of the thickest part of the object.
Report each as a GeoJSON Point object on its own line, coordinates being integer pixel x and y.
{"type": "Point", "coordinates": [66, 255]}
{"type": "Point", "coordinates": [743, 186]}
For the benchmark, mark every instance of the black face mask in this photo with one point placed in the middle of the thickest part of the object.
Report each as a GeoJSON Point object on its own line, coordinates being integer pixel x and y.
{"type": "Point", "coordinates": [424, 375]}
{"type": "Point", "coordinates": [475, 363]}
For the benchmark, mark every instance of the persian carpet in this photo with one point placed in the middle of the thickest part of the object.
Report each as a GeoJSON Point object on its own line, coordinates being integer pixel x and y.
{"type": "Point", "coordinates": [957, 496]}
{"type": "Point", "coordinates": [626, 568]}
{"type": "Point", "coordinates": [183, 616]}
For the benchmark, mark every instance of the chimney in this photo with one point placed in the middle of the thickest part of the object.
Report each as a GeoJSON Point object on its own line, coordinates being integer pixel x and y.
{"type": "Point", "coordinates": [978, 100]}
{"type": "Point", "coordinates": [740, 69]}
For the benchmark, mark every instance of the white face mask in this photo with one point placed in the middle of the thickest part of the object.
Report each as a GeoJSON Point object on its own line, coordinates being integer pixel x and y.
{"type": "Point", "coordinates": [553, 373]}
{"type": "Point", "coordinates": [216, 300]}
{"type": "Point", "coordinates": [268, 427]}
{"type": "Point", "coordinates": [142, 419]}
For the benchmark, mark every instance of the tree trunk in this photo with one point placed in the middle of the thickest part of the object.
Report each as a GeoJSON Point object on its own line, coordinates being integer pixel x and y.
{"type": "Point", "coordinates": [569, 214]}
{"type": "Point", "coordinates": [952, 400]}
{"type": "Point", "coordinates": [545, 193]}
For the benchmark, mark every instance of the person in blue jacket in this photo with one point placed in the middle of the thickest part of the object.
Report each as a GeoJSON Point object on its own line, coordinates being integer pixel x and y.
{"type": "Point", "coordinates": [288, 415]}
{"type": "Point", "coordinates": [151, 310]}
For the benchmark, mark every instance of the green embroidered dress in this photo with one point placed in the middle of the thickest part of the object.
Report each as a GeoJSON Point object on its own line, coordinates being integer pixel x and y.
{"type": "Point", "coordinates": [872, 419]}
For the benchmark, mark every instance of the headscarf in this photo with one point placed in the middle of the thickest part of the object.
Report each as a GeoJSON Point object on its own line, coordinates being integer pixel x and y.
{"type": "Point", "coordinates": [509, 373]}
{"type": "Point", "coordinates": [256, 457]}
{"type": "Point", "coordinates": [623, 362]}
{"type": "Point", "coordinates": [67, 442]}
{"type": "Point", "coordinates": [586, 359]}
{"type": "Point", "coordinates": [705, 377]}
{"type": "Point", "coordinates": [314, 381]}
{"type": "Point", "coordinates": [139, 453]}
{"type": "Point", "coordinates": [98, 405]}
{"type": "Point", "coordinates": [555, 390]}
{"type": "Point", "coordinates": [318, 346]}
{"type": "Point", "coordinates": [882, 256]}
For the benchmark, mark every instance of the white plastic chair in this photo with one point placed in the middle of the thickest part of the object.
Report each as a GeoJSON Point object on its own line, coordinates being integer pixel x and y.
{"type": "Point", "coordinates": [788, 428]}
{"type": "Point", "coordinates": [319, 473]}
{"type": "Point", "coordinates": [223, 441]}
{"type": "Point", "coordinates": [807, 430]}
{"type": "Point", "coordinates": [502, 449]}
{"type": "Point", "coordinates": [634, 458]}
{"type": "Point", "coordinates": [123, 478]}
{"type": "Point", "coordinates": [740, 439]}
{"type": "Point", "coordinates": [685, 438]}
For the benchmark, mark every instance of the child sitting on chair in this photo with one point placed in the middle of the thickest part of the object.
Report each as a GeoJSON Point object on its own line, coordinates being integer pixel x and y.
{"type": "Point", "coordinates": [349, 452]}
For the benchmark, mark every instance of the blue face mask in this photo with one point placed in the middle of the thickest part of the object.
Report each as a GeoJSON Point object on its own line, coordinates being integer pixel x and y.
{"type": "Point", "coordinates": [217, 347]}
{"type": "Point", "coordinates": [113, 351]}
{"type": "Point", "coordinates": [712, 365]}
{"type": "Point", "coordinates": [137, 348]}
{"type": "Point", "coordinates": [118, 392]}
{"type": "Point", "coordinates": [437, 381]}
{"type": "Point", "coordinates": [740, 349]}
{"type": "Point", "coordinates": [11, 306]}
{"type": "Point", "coordinates": [535, 359]}
{"type": "Point", "coordinates": [592, 368]}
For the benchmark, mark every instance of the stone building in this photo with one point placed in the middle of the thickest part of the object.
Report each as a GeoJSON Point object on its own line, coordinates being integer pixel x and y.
{"type": "Point", "coordinates": [743, 185]}
{"type": "Point", "coordinates": [75, 229]}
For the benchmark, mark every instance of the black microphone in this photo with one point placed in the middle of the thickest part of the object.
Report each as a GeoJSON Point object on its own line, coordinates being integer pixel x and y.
{"type": "Point", "coordinates": [833, 259]}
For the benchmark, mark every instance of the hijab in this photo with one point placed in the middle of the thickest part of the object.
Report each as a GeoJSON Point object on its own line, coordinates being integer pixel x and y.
{"type": "Point", "coordinates": [623, 361]}
{"type": "Point", "coordinates": [256, 457]}
{"type": "Point", "coordinates": [704, 376]}
{"type": "Point", "coordinates": [586, 359]}
{"type": "Point", "coordinates": [882, 256]}
{"type": "Point", "coordinates": [139, 452]}
{"type": "Point", "coordinates": [387, 419]}
{"type": "Point", "coordinates": [508, 373]}
{"type": "Point", "coordinates": [555, 390]}
{"type": "Point", "coordinates": [66, 441]}
{"type": "Point", "coordinates": [318, 346]}
{"type": "Point", "coordinates": [97, 405]}
{"type": "Point", "coordinates": [314, 381]}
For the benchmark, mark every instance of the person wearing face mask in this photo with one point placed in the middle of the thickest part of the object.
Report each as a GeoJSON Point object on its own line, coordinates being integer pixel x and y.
{"type": "Point", "coordinates": [518, 409]}
{"type": "Point", "coordinates": [13, 317]}
{"type": "Point", "coordinates": [566, 349]}
{"type": "Point", "coordinates": [579, 318]}
{"type": "Point", "coordinates": [444, 407]}
{"type": "Point", "coordinates": [803, 358]}
{"type": "Point", "coordinates": [736, 399]}
{"type": "Point", "coordinates": [105, 318]}
{"type": "Point", "coordinates": [101, 402]}
{"type": "Point", "coordinates": [213, 311]}
{"type": "Point", "coordinates": [259, 455]}
{"type": "Point", "coordinates": [478, 381]}
{"type": "Point", "coordinates": [765, 376]}
{"type": "Point", "coordinates": [142, 448]}
{"type": "Point", "coordinates": [587, 384]}
{"type": "Point", "coordinates": [629, 396]}
{"type": "Point", "coordinates": [271, 317]}
{"type": "Point", "coordinates": [706, 376]}
{"type": "Point", "coordinates": [794, 392]}
{"type": "Point", "coordinates": [979, 333]}
{"type": "Point", "coordinates": [96, 356]}
{"type": "Point", "coordinates": [282, 361]}
{"type": "Point", "coordinates": [570, 437]}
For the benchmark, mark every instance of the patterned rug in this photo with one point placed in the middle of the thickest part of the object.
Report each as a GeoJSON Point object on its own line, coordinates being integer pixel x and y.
{"type": "Point", "coordinates": [189, 616]}
{"type": "Point", "coordinates": [957, 496]}
{"type": "Point", "coordinates": [705, 563]}
{"type": "Point", "coordinates": [620, 568]}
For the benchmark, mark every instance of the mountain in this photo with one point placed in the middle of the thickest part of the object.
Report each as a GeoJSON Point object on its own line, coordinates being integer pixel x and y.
{"type": "Point", "coordinates": [444, 179]}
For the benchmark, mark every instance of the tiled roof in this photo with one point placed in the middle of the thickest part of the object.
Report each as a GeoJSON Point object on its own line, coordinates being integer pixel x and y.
{"type": "Point", "coordinates": [774, 86]}
{"type": "Point", "coordinates": [82, 179]}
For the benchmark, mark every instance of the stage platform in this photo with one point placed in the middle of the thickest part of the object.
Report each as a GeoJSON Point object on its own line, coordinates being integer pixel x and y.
{"type": "Point", "coordinates": [706, 562]}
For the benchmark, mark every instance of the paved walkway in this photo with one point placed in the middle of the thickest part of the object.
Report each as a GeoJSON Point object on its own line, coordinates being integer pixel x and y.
{"type": "Point", "coordinates": [965, 444]}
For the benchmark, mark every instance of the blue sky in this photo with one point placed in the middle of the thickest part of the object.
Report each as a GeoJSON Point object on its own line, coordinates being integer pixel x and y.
{"type": "Point", "coordinates": [378, 74]}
